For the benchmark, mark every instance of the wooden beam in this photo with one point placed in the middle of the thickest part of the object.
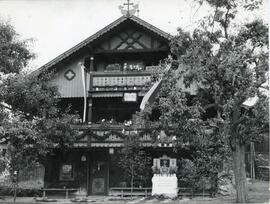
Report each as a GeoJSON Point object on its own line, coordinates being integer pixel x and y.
{"type": "Point", "coordinates": [88, 173]}
{"type": "Point", "coordinates": [91, 63]}
{"type": "Point", "coordinates": [89, 114]}
{"type": "Point", "coordinates": [134, 50]}
{"type": "Point", "coordinates": [108, 173]}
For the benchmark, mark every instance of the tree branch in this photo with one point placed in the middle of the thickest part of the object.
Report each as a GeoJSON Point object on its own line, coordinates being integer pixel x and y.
{"type": "Point", "coordinates": [214, 18]}
{"type": "Point", "coordinates": [213, 105]}
{"type": "Point", "coordinates": [240, 120]}
{"type": "Point", "coordinates": [226, 23]}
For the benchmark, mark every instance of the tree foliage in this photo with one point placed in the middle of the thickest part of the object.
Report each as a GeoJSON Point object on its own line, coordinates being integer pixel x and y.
{"type": "Point", "coordinates": [15, 53]}
{"type": "Point", "coordinates": [228, 69]}
{"type": "Point", "coordinates": [134, 160]}
{"type": "Point", "coordinates": [31, 122]}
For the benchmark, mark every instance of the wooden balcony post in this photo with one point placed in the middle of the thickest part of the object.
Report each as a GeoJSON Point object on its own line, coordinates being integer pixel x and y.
{"type": "Point", "coordinates": [89, 114]}
{"type": "Point", "coordinates": [91, 63]}
{"type": "Point", "coordinates": [91, 68]}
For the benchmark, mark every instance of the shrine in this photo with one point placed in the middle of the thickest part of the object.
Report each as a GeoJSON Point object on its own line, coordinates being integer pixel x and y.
{"type": "Point", "coordinates": [164, 181]}
{"type": "Point", "coordinates": [104, 79]}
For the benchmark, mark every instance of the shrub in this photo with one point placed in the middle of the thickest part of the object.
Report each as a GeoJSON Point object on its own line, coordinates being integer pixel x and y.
{"type": "Point", "coordinates": [21, 192]}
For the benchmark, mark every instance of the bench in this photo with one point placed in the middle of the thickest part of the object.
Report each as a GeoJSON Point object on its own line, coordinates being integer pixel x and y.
{"type": "Point", "coordinates": [185, 191]}
{"type": "Point", "coordinates": [66, 190]}
{"type": "Point", "coordinates": [118, 191]}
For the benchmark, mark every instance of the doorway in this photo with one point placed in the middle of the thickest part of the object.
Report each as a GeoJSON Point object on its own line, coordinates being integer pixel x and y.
{"type": "Point", "coordinates": [99, 169]}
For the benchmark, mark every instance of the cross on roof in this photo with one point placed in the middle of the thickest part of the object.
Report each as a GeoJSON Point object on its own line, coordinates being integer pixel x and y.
{"type": "Point", "coordinates": [128, 4]}
{"type": "Point", "coordinates": [131, 8]}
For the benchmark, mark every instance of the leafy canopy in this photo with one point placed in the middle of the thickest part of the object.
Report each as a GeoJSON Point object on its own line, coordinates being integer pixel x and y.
{"type": "Point", "coordinates": [15, 53]}
{"type": "Point", "coordinates": [31, 122]}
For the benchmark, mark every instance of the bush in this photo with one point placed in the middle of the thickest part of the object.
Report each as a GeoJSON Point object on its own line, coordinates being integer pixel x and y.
{"type": "Point", "coordinates": [262, 159]}
{"type": "Point", "coordinates": [262, 166]}
{"type": "Point", "coordinates": [194, 175]}
{"type": "Point", "coordinates": [9, 191]}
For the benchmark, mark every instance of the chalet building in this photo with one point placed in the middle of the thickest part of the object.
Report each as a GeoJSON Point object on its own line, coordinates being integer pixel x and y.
{"type": "Point", "coordinates": [103, 79]}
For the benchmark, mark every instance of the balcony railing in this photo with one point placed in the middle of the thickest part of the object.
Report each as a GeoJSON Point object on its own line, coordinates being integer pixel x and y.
{"type": "Point", "coordinates": [108, 135]}
{"type": "Point", "coordinates": [120, 80]}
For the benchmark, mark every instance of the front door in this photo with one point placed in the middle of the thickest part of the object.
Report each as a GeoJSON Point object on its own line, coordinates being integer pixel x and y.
{"type": "Point", "coordinates": [98, 176]}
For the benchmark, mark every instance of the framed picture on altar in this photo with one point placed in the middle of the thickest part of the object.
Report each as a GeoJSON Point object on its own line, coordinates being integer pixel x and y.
{"type": "Point", "coordinates": [66, 172]}
{"type": "Point", "coordinates": [165, 162]}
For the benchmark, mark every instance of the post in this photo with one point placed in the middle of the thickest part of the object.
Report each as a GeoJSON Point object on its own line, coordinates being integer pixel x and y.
{"type": "Point", "coordinates": [108, 173]}
{"type": "Point", "coordinates": [90, 101]}
{"type": "Point", "coordinates": [87, 176]}
{"type": "Point", "coordinates": [90, 104]}
{"type": "Point", "coordinates": [252, 157]}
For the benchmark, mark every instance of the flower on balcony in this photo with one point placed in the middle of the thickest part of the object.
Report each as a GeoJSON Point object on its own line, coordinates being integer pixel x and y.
{"type": "Point", "coordinates": [132, 67]}
{"type": "Point", "coordinates": [128, 123]}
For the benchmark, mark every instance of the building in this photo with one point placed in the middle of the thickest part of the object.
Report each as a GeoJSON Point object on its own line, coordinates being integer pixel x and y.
{"type": "Point", "coordinates": [104, 79]}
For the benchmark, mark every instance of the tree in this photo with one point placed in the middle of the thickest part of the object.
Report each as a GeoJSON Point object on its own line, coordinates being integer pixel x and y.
{"type": "Point", "coordinates": [229, 68]}
{"type": "Point", "coordinates": [133, 159]}
{"type": "Point", "coordinates": [15, 53]}
{"type": "Point", "coordinates": [181, 115]}
{"type": "Point", "coordinates": [230, 76]}
{"type": "Point", "coordinates": [34, 125]}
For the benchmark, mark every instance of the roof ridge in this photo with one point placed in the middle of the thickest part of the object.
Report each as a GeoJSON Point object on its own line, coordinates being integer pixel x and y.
{"type": "Point", "coordinates": [156, 29]}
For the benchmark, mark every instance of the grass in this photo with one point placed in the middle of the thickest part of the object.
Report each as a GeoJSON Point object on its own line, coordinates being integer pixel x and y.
{"type": "Point", "coordinates": [258, 193]}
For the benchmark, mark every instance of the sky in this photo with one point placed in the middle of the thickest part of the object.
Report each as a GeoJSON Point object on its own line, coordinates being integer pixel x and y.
{"type": "Point", "coordinates": [58, 25]}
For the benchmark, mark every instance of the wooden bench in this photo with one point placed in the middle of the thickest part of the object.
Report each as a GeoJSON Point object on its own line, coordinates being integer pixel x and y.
{"type": "Point", "coordinates": [185, 191]}
{"type": "Point", "coordinates": [66, 190]}
{"type": "Point", "coordinates": [118, 191]}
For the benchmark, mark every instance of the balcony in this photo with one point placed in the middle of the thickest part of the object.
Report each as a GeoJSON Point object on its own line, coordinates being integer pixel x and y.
{"type": "Point", "coordinates": [121, 80]}
{"type": "Point", "coordinates": [103, 81]}
{"type": "Point", "coordinates": [108, 135]}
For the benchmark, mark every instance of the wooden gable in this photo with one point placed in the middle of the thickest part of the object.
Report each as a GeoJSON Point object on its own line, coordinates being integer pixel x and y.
{"type": "Point", "coordinates": [123, 35]}
{"type": "Point", "coordinates": [116, 37]}
{"type": "Point", "coordinates": [131, 38]}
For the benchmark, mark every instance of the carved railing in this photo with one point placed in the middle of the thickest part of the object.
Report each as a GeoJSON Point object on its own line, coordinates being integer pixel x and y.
{"type": "Point", "coordinates": [102, 81]}
{"type": "Point", "coordinates": [106, 135]}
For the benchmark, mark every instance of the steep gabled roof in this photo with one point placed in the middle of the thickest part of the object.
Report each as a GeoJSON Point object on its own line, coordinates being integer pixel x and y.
{"type": "Point", "coordinates": [98, 34]}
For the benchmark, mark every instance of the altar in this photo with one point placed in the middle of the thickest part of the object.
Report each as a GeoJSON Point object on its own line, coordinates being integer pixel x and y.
{"type": "Point", "coordinates": [164, 181]}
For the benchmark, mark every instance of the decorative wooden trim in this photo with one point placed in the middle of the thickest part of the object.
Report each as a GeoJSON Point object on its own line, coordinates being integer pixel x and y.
{"type": "Point", "coordinates": [120, 74]}
{"type": "Point", "coordinates": [146, 26]}
{"type": "Point", "coordinates": [69, 78]}
{"type": "Point", "coordinates": [131, 51]}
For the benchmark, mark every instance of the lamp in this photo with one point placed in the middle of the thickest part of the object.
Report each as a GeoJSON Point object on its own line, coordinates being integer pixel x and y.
{"type": "Point", "coordinates": [83, 158]}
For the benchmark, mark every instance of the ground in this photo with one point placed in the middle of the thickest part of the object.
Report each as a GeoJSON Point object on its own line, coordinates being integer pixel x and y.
{"type": "Point", "coordinates": [258, 193]}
